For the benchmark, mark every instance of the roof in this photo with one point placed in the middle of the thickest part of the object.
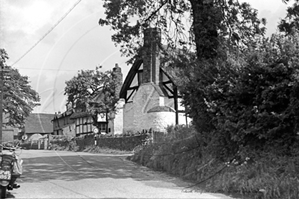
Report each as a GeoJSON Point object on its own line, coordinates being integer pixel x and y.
{"type": "Point", "coordinates": [62, 115]}
{"type": "Point", "coordinates": [161, 88]}
{"type": "Point", "coordinates": [79, 115]}
{"type": "Point", "coordinates": [130, 77]}
{"type": "Point", "coordinates": [39, 123]}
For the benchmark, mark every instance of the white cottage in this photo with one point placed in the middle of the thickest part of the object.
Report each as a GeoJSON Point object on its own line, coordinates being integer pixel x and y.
{"type": "Point", "coordinates": [150, 95]}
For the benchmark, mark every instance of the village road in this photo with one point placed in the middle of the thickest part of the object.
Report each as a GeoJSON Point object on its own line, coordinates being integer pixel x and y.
{"type": "Point", "coordinates": [62, 174]}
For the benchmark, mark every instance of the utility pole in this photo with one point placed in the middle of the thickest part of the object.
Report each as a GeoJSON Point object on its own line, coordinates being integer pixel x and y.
{"type": "Point", "coordinates": [1, 102]}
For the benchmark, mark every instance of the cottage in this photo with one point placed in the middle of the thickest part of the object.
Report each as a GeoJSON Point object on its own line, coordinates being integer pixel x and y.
{"type": "Point", "coordinates": [151, 97]}
{"type": "Point", "coordinates": [77, 122]}
{"type": "Point", "coordinates": [63, 124]}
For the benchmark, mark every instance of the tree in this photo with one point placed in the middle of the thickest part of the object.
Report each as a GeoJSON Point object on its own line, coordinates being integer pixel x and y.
{"type": "Point", "coordinates": [225, 68]}
{"type": "Point", "coordinates": [19, 98]}
{"type": "Point", "coordinates": [248, 101]}
{"type": "Point", "coordinates": [291, 21]}
{"type": "Point", "coordinates": [92, 91]}
{"type": "Point", "coordinates": [194, 24]}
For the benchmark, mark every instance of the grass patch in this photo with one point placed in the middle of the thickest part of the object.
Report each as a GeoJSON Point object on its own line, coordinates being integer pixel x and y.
{"type": "Point", "coordinates": [263, 176]}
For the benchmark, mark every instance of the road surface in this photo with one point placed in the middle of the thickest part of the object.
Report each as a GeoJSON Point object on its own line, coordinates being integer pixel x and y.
{"type": "Point", "coordinates": [62, 174]}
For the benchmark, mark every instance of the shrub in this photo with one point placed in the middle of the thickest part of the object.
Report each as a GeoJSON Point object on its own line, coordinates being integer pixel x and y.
{"type": "Point", "coordinates": [259, 174]}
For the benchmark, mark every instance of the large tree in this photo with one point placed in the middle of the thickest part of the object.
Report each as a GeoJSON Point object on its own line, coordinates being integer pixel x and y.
{"type": "Point", "coordinates": [238, 86]}
{"type": "Point", "coordinates": [200, 25]}
{"type": "Point", "coordinates": [92, 91]}
{"type": "Point", "coordinates": [248, 101]}
{"type": "Point", "coordinates": [290, 23]}
{"type": "Point", "coordinates": [19, 98]}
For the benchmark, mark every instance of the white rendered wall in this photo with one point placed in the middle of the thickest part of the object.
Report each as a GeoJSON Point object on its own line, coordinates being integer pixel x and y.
{"type": "Point", "coordinates": [136, 117]}
{"type": "Point", "coordinates": [118, 121]}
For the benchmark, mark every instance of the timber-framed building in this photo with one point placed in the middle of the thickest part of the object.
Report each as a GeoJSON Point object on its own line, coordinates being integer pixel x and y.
{"type": "Point", "coordinates": [152, 100]}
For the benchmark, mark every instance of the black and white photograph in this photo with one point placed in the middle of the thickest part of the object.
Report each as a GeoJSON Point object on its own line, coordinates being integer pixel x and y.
{"type": "Point", "coordinates": [149, 99]}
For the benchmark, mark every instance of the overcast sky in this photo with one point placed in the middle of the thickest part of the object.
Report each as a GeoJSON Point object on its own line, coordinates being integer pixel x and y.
{"type": "Point", "coordinates": [78, 42]}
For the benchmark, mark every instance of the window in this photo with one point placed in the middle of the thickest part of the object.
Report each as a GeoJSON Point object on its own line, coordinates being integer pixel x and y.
{"type": "Point", "coordinates": [102, 127]}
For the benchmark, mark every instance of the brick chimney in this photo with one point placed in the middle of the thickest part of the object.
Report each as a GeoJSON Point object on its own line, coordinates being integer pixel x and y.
{"type": "Point", "coordinates": [151, 61]}
{"type": "Point", "coordinates": [118, 77]}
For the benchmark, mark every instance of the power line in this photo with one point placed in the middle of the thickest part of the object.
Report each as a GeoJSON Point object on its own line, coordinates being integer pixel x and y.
{"type": "Point", "coordinates": [59, 69]}
{"type": "Point", "coordinates": [53, 69]}
{"type": "Point", "coordinates": [58, 22]}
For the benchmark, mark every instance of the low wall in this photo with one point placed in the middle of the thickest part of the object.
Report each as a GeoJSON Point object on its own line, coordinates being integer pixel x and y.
{"type": "Point", "coordinates": [126, 143]}
{"type": "Point", "coordinates": [123, 143]}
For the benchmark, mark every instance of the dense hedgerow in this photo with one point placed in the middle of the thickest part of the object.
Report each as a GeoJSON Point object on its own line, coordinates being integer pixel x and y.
{"type": "Point", "coordinates": [261, 175]}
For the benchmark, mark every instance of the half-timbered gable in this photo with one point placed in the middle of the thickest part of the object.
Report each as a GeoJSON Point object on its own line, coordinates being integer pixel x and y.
{"type": "Point", "coordinates": [151, 97]}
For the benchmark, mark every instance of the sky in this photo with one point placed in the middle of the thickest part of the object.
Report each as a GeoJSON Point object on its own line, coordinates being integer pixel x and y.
{"type": "Point", "coordinates": [76, 43]}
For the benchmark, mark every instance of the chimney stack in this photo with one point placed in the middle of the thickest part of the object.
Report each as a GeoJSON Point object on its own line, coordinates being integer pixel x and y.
{"type": "Point", "coordinates": [118, 78]}
{"type": "Point", "coordinates": [151, 61]}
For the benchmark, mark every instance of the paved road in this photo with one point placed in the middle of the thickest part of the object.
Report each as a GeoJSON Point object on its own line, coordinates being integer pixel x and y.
{"type": "Point", "coordinates": [61, 174]}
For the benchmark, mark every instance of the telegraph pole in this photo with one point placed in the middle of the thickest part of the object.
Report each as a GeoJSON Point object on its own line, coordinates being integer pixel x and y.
{"type": "Point", "coordinates": [1, 102]}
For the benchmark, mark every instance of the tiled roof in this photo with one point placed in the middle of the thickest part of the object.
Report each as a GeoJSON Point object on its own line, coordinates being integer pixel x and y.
{"type": "Point", "coordinates": [62, 115]}
{"type": "Point", "coordinates": [39, 123]}
{"type": "Point", "coordinates": [79, 114]}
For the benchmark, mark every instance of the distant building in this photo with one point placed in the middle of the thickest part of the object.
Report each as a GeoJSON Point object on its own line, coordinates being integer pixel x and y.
{"type": "Point", "coordinates": [38, 123]}
{"type": "Point", "coordinates": [151, 96]}
{"type": "Point", "coordinates": [63, 124]}
{"type": "Point", "coordinates": [77, 122]}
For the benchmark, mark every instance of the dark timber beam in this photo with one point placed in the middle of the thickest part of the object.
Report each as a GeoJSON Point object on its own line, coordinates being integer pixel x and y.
{"type": "Point", "coordinates": [176, 105]}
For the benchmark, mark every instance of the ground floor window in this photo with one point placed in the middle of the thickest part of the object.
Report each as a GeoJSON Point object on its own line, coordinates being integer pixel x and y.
{"type": "Point", "coordinates": [102, 126]}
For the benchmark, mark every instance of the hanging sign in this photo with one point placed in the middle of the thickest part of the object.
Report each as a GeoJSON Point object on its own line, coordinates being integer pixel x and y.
{"type": "Point", "coordinates": [101, 117]}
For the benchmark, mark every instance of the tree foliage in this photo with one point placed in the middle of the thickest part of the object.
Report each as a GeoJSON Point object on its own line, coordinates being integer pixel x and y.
{"type": "Point", "coordinates": [199, 25]}
{"type": "Point", "coordinates": [92, 91]}
{"type": "Point", "coordinates": [240, 88]}
{"type": "Point", "coordinates": [247, 101]}
{"type": "Point", "coordinates": [290, 23]}
{"type": "Point", "coordinates": [19, 98]}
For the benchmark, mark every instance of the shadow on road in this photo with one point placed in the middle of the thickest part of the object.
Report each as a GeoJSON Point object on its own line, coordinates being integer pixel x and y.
{"type": "Point", "coordinates": [78, 167]}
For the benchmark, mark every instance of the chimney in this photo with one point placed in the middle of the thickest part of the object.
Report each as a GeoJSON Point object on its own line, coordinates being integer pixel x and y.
{"type": "Point", "coordinates": [151, 61]}
{"type": "Point", "coordinates": [118, 77]}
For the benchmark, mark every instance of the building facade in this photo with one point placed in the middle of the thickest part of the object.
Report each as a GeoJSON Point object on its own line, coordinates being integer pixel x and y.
{"type": "Point", "coordinates": [78, 122]}
{"type": "Point", "coordinates": [63, 124]}
{"type": "Point", "coordinates": [151, 97]}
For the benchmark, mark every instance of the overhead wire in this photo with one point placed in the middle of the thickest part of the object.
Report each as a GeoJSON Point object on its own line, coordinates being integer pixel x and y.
{"type": "Point", "coordinates": [48, 32]}
{"type": "Point", "coordinates": [57, 69]}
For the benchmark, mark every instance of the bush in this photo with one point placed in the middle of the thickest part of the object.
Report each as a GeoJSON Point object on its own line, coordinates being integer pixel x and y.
{"type": "Point", "coordinates": [259, 174]}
